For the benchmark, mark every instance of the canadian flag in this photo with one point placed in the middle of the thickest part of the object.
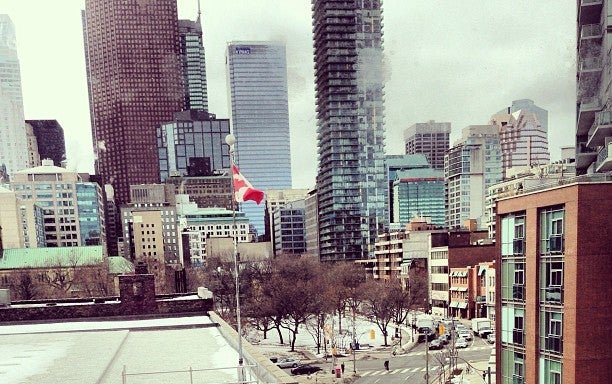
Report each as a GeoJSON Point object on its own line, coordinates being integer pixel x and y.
{"type": "Point", "coordinates": [243, 190]}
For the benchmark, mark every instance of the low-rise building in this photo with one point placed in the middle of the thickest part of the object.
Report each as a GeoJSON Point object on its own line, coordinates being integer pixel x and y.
{"type": "Point", "coordinates": [553, 291]}
{"type": "Point", "coordinates": [288, 227]}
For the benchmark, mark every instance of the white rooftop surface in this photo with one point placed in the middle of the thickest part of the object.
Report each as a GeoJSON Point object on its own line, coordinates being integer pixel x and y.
{"type": "Point", "coordinates": [96, 352]}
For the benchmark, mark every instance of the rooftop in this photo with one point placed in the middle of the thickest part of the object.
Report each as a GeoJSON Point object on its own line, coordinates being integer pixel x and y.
{"type": "Point", "coordinates": [51, 256]}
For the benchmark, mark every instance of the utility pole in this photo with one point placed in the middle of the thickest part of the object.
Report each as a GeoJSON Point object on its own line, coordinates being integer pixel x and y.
{"type": "Point", "coordinates": [426, 358]}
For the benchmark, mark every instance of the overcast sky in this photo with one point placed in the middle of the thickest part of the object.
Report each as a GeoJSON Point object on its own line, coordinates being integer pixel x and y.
{"type": "Point", "coordinates": [446, 60]}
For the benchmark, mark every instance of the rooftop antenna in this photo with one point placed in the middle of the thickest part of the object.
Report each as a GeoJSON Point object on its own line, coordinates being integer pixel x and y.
{"type": "Point", "coordinates": [198, 20]}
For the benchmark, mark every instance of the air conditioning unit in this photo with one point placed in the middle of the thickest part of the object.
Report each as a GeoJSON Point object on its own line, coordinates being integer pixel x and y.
{"type": "Point", "coordinates": [555, 243]}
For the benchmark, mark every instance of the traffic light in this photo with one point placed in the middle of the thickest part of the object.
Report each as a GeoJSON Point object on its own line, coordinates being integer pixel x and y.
{"type": "Point", "coordinates": [372, 334]}
{"type": "Point", "coordinates": [441, 329]}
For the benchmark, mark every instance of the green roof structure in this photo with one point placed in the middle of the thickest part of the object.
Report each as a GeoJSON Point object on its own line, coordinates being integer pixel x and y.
{"type": "Point", "coordinates": [18, 258]}
{"type": "Point", "coordinates": [118, 265]}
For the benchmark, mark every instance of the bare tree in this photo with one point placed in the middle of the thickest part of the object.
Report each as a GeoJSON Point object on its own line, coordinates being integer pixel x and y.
{"type": "Point", "coordinates": [27, 287]}
{"type": "Point", "coordinates": [379, 304]}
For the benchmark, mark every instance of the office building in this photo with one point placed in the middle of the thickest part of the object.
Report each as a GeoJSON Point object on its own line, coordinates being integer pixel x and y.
{"type": "Point", "coordinates": [193, 63]}
{"type": "Point", "coordinates": [527, 105]}
{"type": "Point", "coordinates": [277, 198]}
{"type": "Point", "coordinates": [11, 234]}
{"type": "Point", "coordinates": [395, 163]}
{"type": "Point", "coordinates": [33, 155]}
{"type": "Point", "coordinates": [471, 166]}
{"type": "Point", "coordinates": [13, 138]}
{"type": "Point", "coordinates": [593, 91]}
{"type": "Point", "coordinates": [523, 139]}
{"type": "Point", "coordinates": [553, 286]}
{"type": "Point", "coordinates": [132, 52]}
{"type": "Point", "coordinates": [430, 139]}
{"type": "Point", "coordinates": [257, 79]}
{"type": "Point", "coordinates": [289, 224]}
{"type": "Point", "coordinates": [193, 144]}
{"type": "Point", "coordinates": [49, 140]}
{"type": "Point", "coordinates": [73, 209]}
{"type": "Point", "coordinates": [197, 226]}
{"type": "Point", "coordinates": [418, 193]}
{"type": "Point", "coordinates": [214, 191]}
{"type": "Point", "coordinates": [352, 187]}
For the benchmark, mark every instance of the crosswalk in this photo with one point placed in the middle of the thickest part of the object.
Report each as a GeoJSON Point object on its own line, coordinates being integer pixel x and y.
{"type": "Point", "coordinates": [396, 371]}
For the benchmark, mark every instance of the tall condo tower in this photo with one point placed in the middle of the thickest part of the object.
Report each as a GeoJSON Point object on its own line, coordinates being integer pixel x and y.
{"type": "Point", "coordinates": [193, 63]}
{"type": "Point", "coordinates": [135, 84]}
{"type": "Point", "coordinates": [257, 76]}
{"type": "Point", "coordinates": [351, 181]}
{"type": "Point", "coordinates": [593, 90]}
{"type": "Point", "coordinates": [13, 137]}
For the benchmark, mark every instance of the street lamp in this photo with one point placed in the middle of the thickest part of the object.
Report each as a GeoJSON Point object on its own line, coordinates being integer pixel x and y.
{"type": "Point", "coordinates": [231, 141]}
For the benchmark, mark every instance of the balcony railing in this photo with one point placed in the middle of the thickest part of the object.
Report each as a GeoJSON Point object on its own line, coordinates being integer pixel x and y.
{"type": "Point", "coordinates": [516, 379]}
{"type": "Point", "coordinates": [591, 64]}
{"type": "Point", "coordinates": [590, 30]}
{"type": "Point", "coordinates": [604, 159]}
{"type": "Point", "coordinates": [553, 294]}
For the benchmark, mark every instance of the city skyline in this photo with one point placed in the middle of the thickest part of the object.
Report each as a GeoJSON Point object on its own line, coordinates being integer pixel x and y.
{"type": "Point", "coordinates": [536, 63]}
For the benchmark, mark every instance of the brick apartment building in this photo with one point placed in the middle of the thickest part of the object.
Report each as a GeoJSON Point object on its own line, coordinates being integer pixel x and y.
{"type": "Point", "coordinates": [553, 288]}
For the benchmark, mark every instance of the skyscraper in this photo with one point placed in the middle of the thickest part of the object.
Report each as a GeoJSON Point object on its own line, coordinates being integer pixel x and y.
{"type": "Point", "coordinates": [431, 139]}
{"type": "Point", "coordinates": [193, 144]}
{"type": "Point", "coordinates": [470, 167]}
{"type": "Point", "coordinates": [351, 181]}
{"type": "Point", "coordinates": [13, 138]}
{"type": "Point", "coordinates": [593, 91]}
{"type": "Point", "coordinates": [193, 63]}
{"type": "Point", "coordinates": [257, 76]}
{"type": "Point", "coordinates": [135, 84]}
{"type": "Point", "coordinates": [49, 140]}
{"type": "Point", "coordinates": [523, 139]}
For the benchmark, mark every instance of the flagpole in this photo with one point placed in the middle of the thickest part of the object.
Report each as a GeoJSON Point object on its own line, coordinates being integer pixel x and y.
{"type": "Point", "coordinates": [231, 141]}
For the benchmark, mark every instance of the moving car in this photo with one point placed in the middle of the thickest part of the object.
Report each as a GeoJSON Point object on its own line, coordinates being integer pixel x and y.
{"type": "Point", "coordinates": [461, 343]}
{"type": "Point", "coordinates": [305, 369]}
{"type": "Point", "coordinates": [435, 344]}
{"type": "Point", "coordinates": [491, 338]}
{"type": "Point", "coordinates": [288, 362]}
{"type": "Point", "coordinates": [465, 334]}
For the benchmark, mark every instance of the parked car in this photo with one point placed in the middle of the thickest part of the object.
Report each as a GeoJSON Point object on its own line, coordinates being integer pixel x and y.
{"type": "Point", "coordinates": [305, 369]}
{"type": "Point", "coordinates": [491, 338]}
{"type": "Point", "coordinates": [288, 362]}
{"type": "Point", "coordinates": [461, 343]}
{"type": "Point", "coordinates": [435, 344]}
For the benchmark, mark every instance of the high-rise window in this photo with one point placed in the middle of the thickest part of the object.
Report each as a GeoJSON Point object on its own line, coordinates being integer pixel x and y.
{"type": "Point", "coordinates": [551, 230]}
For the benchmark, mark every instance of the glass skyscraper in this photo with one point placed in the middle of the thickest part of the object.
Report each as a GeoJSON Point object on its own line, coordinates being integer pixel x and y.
{"type": "Point", "coordinates": [194, 64]}
{"type": "Point", "coordinates": [193, 144]}
{"type": "Point", "coordinates": [419, 192]}
{"type": "Point", "coordinates": [351, 181]}
{"type": "Point", "coordinates": [13, 139]}
{"type": "Point", "coordinates": [257, 76]}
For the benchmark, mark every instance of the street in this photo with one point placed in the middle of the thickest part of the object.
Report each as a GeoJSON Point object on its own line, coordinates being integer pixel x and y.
{"type": "Point", "coordinates": [411, 366]}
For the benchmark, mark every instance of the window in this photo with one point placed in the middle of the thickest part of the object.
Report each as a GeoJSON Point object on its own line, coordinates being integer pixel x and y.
{"type": "Point", "coordinates": [551, 332]}
{"type": "Point", "coordinates": [551, 280]}
{"type": "Point", "coordinates": [551, 231]}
